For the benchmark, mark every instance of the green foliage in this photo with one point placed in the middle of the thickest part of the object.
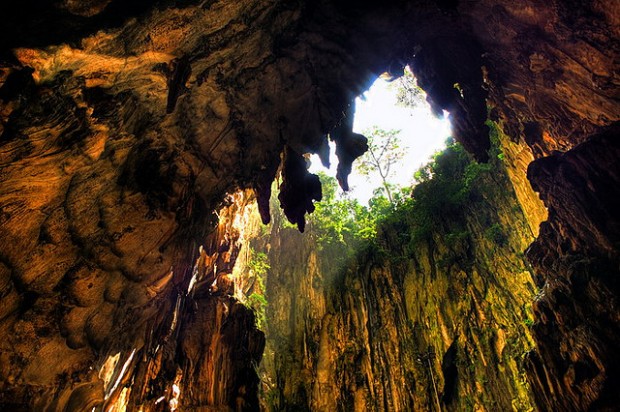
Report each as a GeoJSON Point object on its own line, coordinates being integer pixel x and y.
{"type": "Point", "coordinates": [494, 137]}
{"type": "Point", "coordinates": [383, 153]}
{"type": "Point", "coordinates": [473, 171]}
{"type": "Point", "coordinates": [446, 187]}
{"type": "Point", "coordinates": [265, 230]}
{"type": "Point", "coordinates": [453, 239]}
{"type": "Point", "coordinates": [258, 303]}
{"type": "Point", "coordinates": [333, 221]}
{"type": "Point", "coordinates": [344, 222]}
{"type": "Point", "coordinates": [423, 174]}
{"type": "Point", "coordinates": [495, 233]}
{"type": "Point", "coordinates": [258, 264]}
{"type": "Point", "coordinates": [408, 93]}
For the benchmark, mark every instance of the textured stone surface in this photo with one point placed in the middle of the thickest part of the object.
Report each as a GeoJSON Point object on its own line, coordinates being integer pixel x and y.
{"type": "Point", "coordinates": [576, 256]}
{"type": "Point", "coordinates": [358, 337]}
{"type": "Point", "coordinates": [123, 125]}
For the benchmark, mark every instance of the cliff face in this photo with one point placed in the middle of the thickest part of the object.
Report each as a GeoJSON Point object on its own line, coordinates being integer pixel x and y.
{"type": "Point", "coordinates": [577, 260]}
{"type": "Point", "coordinates": [124, 124]}
{"type": "Point", "coordinates": [180, 330]}
{"type": "Point", "coordinates": [410, 323]}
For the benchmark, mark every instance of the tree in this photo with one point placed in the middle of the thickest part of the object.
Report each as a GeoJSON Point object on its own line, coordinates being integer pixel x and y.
{"type": "Point", "coordinates": [383, 152]}
{"type": "Point", "coordinates": [408, 93]}
{"type": "Point", "coordinates": [333, 219]}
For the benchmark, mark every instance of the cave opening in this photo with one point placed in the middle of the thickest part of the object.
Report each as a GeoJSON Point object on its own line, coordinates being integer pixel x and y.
{"type": "Point", "coordinates": [392, 108]}
{"type": "Point", "coordinates": [455, 230]}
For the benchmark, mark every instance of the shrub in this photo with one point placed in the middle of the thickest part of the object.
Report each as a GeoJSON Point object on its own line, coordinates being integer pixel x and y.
{"type": "Point", "coordinates": [495, 233]}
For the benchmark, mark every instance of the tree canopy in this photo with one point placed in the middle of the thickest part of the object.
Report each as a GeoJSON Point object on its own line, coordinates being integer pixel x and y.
{"type": "Point", "coordinates": [384, 152]}
{"type": "Point", "coordinates": [444, 186]}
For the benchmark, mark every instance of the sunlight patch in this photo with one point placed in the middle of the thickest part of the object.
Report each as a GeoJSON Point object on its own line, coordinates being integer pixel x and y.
{"type": "Point", "coordinates": [421, 135]}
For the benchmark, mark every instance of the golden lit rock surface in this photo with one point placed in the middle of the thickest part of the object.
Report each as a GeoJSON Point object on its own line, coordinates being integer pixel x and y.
{"type": "Point", "coordinates": [406, 324]}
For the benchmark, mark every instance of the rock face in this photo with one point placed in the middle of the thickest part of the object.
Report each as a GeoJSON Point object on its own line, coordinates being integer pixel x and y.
{"type": "Point", "coordinates": [576, 255]}
{"type": "Point", "coordinates": [124, 124]}
{"type": "Point", "coordinates": [411, 323]}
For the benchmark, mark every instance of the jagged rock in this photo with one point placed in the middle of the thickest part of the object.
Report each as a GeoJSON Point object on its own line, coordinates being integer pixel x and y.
{"type": "Point", "coordinates": [449, 71]}
{"type": "Point", "coordinates": [349, 146]}
{"type": "Point", "coordinates": [576, 259]}
{"type": "Point", "coordinates": [299, 188]}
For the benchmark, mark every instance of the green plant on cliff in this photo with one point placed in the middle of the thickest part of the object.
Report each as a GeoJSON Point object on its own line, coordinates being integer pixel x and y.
{"type": "Point", "coordinates": [495, 233]}
{"type": "Point", "coordinates": [343, 223]}
{"type": "Point", "coordinates": [494, 136]}
{"type": "Point", "coordinates": [408, 93]}
{"type": "Point", "coordinates": [337, 222]}
{"type": "Point", "coordinates": [258, 264]}
{"type": "Point", "coordinates": [258, 303]}
{"type": "Point", "coordinates": [445, 186]}
{"type": "Point", "coordinates": [427, 237]}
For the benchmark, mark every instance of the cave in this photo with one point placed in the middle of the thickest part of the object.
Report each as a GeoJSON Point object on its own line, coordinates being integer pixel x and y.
{"type": "Point", "coordinates": [135, 136]}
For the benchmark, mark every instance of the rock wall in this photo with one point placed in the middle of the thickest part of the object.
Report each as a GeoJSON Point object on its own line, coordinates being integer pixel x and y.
{"type": "Point", "coordinates": [117, 147]}
{"type": "Point", "coordinates": [577, 263]}
{"type": "Point", "coordinates": [124, 124]}
{"type": "Point", "coordinates": [441, 323]}
{"type": "Point", "coordinates": [187, 342]}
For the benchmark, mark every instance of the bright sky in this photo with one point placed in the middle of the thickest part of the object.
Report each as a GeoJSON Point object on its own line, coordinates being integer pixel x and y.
{"type": "Point", "coordinates": [422, 134]}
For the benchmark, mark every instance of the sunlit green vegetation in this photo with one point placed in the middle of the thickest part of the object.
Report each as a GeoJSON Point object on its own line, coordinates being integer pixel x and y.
{"type": "Point", "coordinates": [444, 187]}
{"type": "Point", "coordinates": [258, 265]}
{"type": "Point", "coordinates": [384, 152]}
{"type": "Point", "coordinates": [408, 93]}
